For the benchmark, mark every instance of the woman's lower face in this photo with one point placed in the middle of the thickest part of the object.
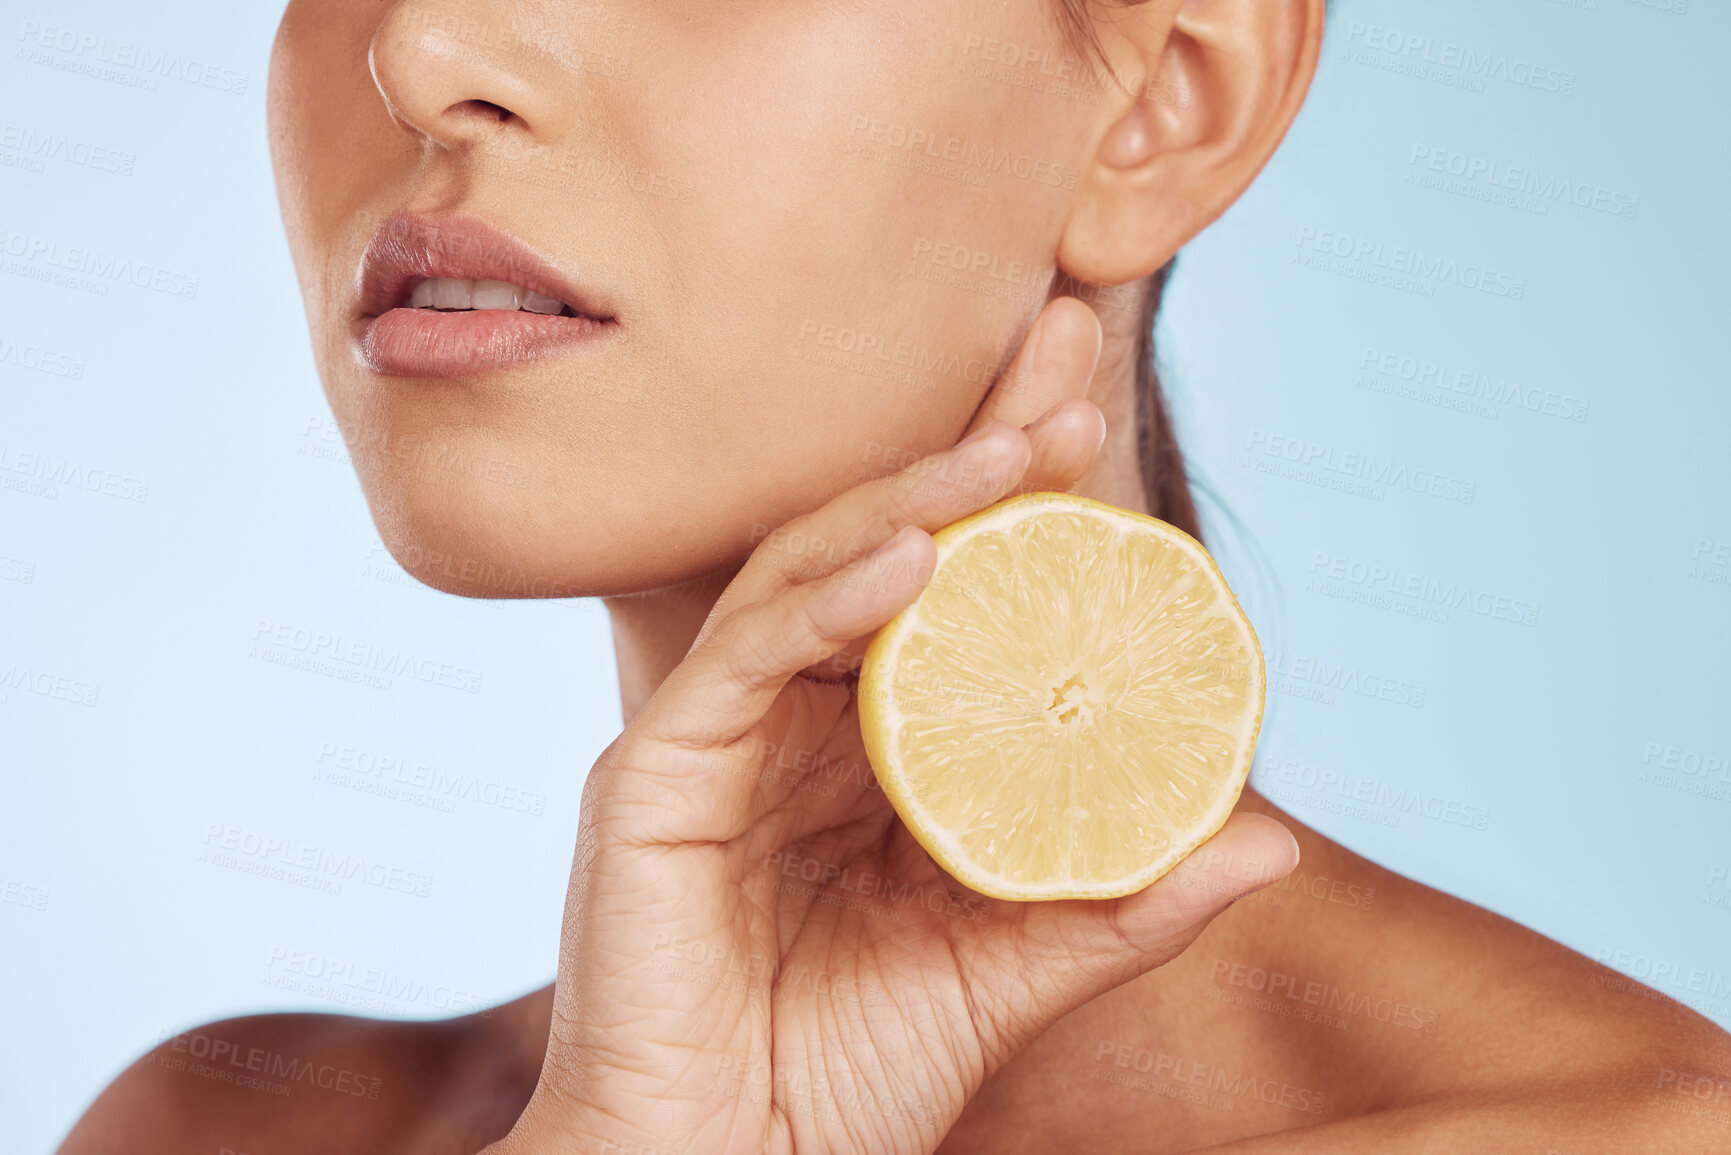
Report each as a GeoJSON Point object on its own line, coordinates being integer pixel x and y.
{"type": "Point", "coordinates": [805, 239]}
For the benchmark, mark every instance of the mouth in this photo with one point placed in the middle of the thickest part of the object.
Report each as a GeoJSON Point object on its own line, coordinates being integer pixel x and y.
{"type": "Point", "coordinates": [453, 296]}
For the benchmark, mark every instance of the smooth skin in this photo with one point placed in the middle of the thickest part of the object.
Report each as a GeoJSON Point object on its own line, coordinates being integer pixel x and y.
{"type": "Point", "coordinates": [1277, 993]}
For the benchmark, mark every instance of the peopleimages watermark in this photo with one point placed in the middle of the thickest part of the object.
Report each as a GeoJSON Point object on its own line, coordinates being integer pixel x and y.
{"type": "Point", "coordinates": [1349, 471]}
{"type": "Point", "coordinates": [325, 440]}
{"type": "Point", "coordinates": [611, 1145]}
{"type": "Point", "coordinates": [1702, 773]}
{"type": "Point", "coordinates": [511, 40]}
{"type": "Point", "coordinates": [305, 864]}
{"type": "Point", "coordinates": [1337, 575]}
{"type": "Point", "coordinates": [1486, 179]}
{"type": "Point", "coordinates": [27, 679]}
{"type": "Point", "coordinates": [1668, 7]}
{"type": "Point", "coordinates": [1317, 679]}
{"type": "Point", "coordinates": [41, 474]}
{"type": "Point", "coordinates": [122, 61]}
{"type": "Point", "coordinates": [1459, 387]}
{"type": "Point", "coordinates": [1446, 62]}
{"type": "Point", "coordinates": [423, 783]}
{"type": "Point", "coordinates": [17, 569]}
{"type": "Point", "coordinates": [954, 157]}
{"type": "Point", "coordinates": [394, 567]}
{"type": "Point", "coordinates": [1718, 892]}
{"type": "Point", "coordinates": [1290, 996]}
{"type": "Point", "coordinates": [15, 893]}
{"type": "Point", "coordinates": [1409, 270]}
{"type": "Point", "coordinates": [722, 966]}
{"type": "Point", "coordinates": [88, 269]}
{"type": "Point", "coordinates": [833, 884]}
{"type": "Point", "coordinates": [1037, 69]}
{"type": "Point", "coordinates": [31, 149]}
{"type": "Point", "coordinates": [257, 1068]}
{"type": "Point", "coordinates": [580, 171]}
{"type": "Point", "coordinates": [1380, 800]}
{"type": "Point", "coordinates": [320, 651]}
{"type": "Point", "coordinates": [858, 351]}
{"type": "Point", "coordinates": [1008, 278]}
{"type": "Point", "coordinates": [796, 1090]}
{"type": "Point", "coordinates": [1662, 7]}
{"type": "Point", "coordinates": [367, 988]}
{"type": "Point", "coordinates": [1712, 1089]}
{"type": "Point", "coordinates": [1703, 989]}
{"type": "Point", "coordinates": [40, 359]}
{"type": "Point", "coordinates": [1233, 1086]}
{"type": "Point", "coordinates": [1710, 562]}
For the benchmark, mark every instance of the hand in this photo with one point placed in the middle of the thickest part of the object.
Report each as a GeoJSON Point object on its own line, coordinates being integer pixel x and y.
{"type": "Point", "coordinates": [757, 956]}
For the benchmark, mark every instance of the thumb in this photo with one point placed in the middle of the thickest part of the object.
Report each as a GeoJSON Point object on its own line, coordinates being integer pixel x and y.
{"type": "Point", "coordinates": [1250, 852]}
{"type": "Point", "coordinates": [1064, 954]}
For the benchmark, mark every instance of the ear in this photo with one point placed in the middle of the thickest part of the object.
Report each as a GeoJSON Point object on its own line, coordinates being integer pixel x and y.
{"type": "Point", "coordinates": [1207, 89]}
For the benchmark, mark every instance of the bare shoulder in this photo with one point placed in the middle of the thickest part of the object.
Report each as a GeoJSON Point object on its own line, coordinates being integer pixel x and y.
{"type": "Point", "coordinates": [1424, 1001]}
{"type": "Point", "coordinates": [300, 1082]}
{"type": "Point", "coordinates": [1349, 997]}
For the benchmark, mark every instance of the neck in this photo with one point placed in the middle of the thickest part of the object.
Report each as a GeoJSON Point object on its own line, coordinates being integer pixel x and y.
{"type": "Point", "coordinates": [652, 632]}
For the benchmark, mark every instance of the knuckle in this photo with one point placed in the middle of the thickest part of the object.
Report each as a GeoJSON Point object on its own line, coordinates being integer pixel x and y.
{"type": "Point", "coordinates": [749, 651]}
{"type": "Point", "coordinates": [797, 552]}
{"type": "Point", "coordinates": [912, 498]}
{"type": "Point", "coordinates": [934, 487]}
{"type": "Point", "coordinates": [772, 555]}
{"type": "Point", "coordinates": [822, 620]}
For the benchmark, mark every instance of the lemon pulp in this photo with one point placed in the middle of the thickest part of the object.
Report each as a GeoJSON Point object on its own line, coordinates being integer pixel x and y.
{"type": "Point", "coordinates": [1071, 705]}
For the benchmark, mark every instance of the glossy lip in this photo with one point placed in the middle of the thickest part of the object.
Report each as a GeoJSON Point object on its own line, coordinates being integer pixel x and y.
{"type": "Point", "coordinates": [398, 341]}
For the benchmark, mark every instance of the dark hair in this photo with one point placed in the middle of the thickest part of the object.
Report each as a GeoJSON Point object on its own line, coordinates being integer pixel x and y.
{"type": "Point", "coordinates": [1164, 482]}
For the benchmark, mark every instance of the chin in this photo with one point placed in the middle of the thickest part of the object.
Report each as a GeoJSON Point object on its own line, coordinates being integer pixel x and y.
{"type": "Point", "coordinates": [476, 539]}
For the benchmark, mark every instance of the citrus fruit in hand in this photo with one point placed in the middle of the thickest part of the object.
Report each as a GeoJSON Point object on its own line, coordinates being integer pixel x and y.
{"type": "Point", "coordinates": [1070, 707]}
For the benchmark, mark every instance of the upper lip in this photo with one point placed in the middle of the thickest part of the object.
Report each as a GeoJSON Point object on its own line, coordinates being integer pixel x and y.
{"type": "Point", "coordinates": [409, 248]}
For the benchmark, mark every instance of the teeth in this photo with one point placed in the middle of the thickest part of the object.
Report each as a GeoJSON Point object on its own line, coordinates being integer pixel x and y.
{"type": "Point", "coordinates": [496, 295]}
{"type": "Point", "coordinates": [449, 293]}
{"type": "Point", "coordinates": [452, 294]}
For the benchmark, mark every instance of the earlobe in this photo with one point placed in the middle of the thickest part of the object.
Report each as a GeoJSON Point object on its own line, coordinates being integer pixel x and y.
{"type": "Point", "coordinates": [1163, 171]}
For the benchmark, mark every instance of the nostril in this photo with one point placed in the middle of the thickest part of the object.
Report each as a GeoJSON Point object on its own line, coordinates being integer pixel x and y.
{"type": "Point", "coordinates": [482, 110]}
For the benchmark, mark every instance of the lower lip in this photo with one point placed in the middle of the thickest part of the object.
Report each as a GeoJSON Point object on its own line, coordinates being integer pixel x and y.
{"type": "Point", "coordinates": [428, 343]}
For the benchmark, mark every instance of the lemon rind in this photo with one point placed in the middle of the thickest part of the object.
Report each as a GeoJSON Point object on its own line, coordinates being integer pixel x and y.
{"type": "Point", "coordinates": [879, 719]}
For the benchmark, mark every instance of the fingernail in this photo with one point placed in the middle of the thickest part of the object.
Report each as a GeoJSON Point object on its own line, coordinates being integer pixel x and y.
{"type": "Point", "coordinates": [1276, 874]}
{"type": "Point", "coordinates": [889, 546]}
{"type": "Point", "coordinates": [978, 434]}
{"type": "Point", "coordinates": [1041, 419]}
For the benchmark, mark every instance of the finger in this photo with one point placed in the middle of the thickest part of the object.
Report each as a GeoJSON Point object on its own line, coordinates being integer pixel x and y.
{"type": "Point", "coordinates": [927, 495]}
{"type": "Point", "coordinates": [728, 681]}
{"type": "Point", "coordinates": [930, 494]}
{"type": "Point", "coordinates": [1064, 442]}
{"type": "Point", "coordinates": [1055, 363]}
{"type": "Point", "coordinates": [1063, 954]}
{"type": "Point", "coordinates": [1044, 389]}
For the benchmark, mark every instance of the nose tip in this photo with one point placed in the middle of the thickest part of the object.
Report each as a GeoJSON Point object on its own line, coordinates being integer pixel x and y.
{"type": "Point", "coordinates": [442, 76]}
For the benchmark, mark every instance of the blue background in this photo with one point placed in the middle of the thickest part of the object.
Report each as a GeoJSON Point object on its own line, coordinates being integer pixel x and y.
{"type": "Point", "coordinates": [1552, 769]}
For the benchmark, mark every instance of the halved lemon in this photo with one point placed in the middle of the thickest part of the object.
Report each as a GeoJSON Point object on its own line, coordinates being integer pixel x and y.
{"type": "Point", "coordinates": [1071, 706]}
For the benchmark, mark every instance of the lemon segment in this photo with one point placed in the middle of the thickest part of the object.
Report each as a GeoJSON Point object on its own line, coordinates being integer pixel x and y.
{"type": "Point", "coordinates": [1071, 705]}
